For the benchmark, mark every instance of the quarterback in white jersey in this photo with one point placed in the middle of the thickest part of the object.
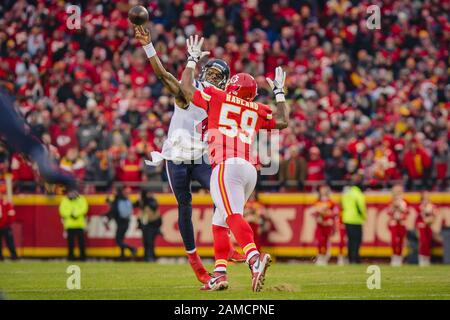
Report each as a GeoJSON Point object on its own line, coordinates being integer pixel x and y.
{"type": "Point", "coordinates": [185, 139]}
{"type": "Point", "coordinates": [186, 144]}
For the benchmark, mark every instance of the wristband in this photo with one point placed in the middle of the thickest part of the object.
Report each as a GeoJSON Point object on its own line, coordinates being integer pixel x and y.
{"type": "Point", "coordinates": [149, 50]}
{"type": "Point", "coordinates": [277, 91]}
{"type": "Point", "coordinates": [280, 97]}
{"type": "Point", "coordinates": [191, 64]}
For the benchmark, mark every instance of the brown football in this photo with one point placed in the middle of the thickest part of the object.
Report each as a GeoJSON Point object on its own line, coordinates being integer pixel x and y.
{"type": "Point", "coordinates": [138, 15]}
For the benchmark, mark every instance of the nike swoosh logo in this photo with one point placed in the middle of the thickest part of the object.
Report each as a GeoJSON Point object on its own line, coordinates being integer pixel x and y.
{"type": "Point", "coordinates": [214, 280]}
{"type": "Point", "coordinates": [257, 262]}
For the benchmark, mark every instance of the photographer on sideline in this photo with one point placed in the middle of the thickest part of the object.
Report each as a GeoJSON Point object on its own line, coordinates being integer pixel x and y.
{"type": "Point", "coordinates": [149, 221]}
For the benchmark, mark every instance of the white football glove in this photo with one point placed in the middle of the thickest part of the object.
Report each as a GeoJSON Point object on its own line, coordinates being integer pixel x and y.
{"type": "Point", "coordinates": [194, 48]}
{"type": "Point", "coordinates": [277, 85]}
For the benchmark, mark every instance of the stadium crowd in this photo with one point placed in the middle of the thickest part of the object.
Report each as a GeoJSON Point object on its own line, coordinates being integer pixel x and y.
{"type": "Point", "coordinates": [374, 102]}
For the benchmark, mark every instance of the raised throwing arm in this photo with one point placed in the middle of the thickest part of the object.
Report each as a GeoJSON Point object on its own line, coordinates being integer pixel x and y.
{"type": "Point", "coordinates": [170, 82]}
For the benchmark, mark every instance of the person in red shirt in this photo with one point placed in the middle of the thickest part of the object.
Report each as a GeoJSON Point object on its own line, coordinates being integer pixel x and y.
{"type": "Point", "coordinates": [425, 218]}
{"type": "Point", "coordinates": [130, 168]}
{"type": "Point", "coordinates": [7, 217]}
{"type": "Point", "coordinates": [23, 173]}
{"type": "Point", "coordinates": [398, 213]}
{"type": "Point", "coordinates": [325, 213]}
{"type": "Point", "coordinates": [417, 163]}
{"type": "Point", "coordinates": [64, 134]}
{"type": "Point", "coordinates": [315, 169]}
{"type": "Point", "coordinates": [233, 121]}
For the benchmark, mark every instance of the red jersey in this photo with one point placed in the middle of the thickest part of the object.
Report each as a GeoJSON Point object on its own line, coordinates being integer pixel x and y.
{"type": "Point", "coordinates": [7, 214]}
{"type": "Point", "coordinates": [426, 215]}
{"type": "Point", "coordinates": [326, 212]}
{"type": "Point", "coordinates": [398, 212]}
{"type": "Point", "coordinates": [130, 170]}
{"type": "Point", "coordinates": [232, 123]}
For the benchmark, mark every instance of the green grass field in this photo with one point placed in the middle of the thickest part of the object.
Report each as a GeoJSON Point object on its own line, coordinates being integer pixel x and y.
{"type": "Point", "coordinates": [132, 280]}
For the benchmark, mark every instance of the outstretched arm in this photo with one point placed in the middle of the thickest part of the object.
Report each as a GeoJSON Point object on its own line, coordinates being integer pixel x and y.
{"type": "Point", "coordinates": [170, 82]}
{"type": "Point", "coordinates": [194, 47]}
{"type": "Point", "coordinates": [281, 114]}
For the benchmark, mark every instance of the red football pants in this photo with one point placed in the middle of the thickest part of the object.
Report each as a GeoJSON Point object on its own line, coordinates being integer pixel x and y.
{"type": "Point", "coordinates": [398, 233]}
{"type": "Point", "coordinates": [323, 234]}
{"type": "Point", "coordinates": [425, 236]}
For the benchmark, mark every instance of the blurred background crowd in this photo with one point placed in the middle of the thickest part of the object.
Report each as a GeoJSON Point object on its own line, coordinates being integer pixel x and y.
{"type": "Point", "coordinates": [372, 102]}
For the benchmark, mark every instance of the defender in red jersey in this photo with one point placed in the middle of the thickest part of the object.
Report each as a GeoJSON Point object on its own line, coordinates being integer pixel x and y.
{"type": "Point", "coordinates": [233, 121]}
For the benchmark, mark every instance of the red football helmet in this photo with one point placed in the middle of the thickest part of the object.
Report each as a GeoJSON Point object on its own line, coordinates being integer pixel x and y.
{"type": "Point", "coordinates": [243, 86]}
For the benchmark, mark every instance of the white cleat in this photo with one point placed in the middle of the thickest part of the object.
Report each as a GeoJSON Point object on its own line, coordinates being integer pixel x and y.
{"type": "Point", "coordinates": [258, 269]}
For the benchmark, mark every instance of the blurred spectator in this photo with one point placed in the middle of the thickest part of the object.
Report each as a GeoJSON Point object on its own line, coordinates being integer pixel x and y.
{"type": "Point", "coordinates": [87, 132]}
{"type": "Point", "coordinates": [365, 91]}
{"type": "Point", "coordinates": [292, 170]}
{"type": "Point", "coordinates": [73, 163]}
{"type": "Point", "coordinates": [63, 132]}
{"type": "Point", "coordinates": [398, 213]}
{"type": "Point", "coordinates": [73, 210]}
{"type": "Point", "coordinates": [426, 216]}
{"type": "Point", "coordinates": [99, 167]}
{"type": "Point", "coordinates": [417, 163]}
{"type": "Point", "coordinates": [315, 167]}
{"type": "Point", "coordinates": [7, 217]}
{"type": "Point", "coordinates": [130, 167]}
{"type": "Point", "coordinates": [121, 210]}
{"type": "Point", "coordinates": [336, 168]}
{"type": "Point", "coordinates": [23, 173]}
{"type": "Point", "coordinates": [441, 160]}
{"type": "Point", "coordinates": [149, 221]}
{"type": "Point", "coordinates": [353, 216]}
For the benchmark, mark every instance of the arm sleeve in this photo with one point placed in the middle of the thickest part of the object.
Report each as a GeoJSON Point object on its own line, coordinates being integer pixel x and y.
{"type": "Point", "coordinates": [201, 98]}
{"type": "Point", "coordinates": [268, 122]}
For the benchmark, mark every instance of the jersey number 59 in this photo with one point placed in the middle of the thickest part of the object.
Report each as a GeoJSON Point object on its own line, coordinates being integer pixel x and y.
{"type": "Point", "coordinates": [230, 127]}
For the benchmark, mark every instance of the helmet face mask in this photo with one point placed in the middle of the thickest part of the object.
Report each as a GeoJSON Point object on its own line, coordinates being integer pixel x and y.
{"type": "Point", "coordinates": [216, 72]}
{"type": "Point", "coordinates": [213, 76]}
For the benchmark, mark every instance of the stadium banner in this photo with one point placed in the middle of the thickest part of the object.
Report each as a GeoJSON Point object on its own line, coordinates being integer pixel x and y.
{"type": "Point", "coordinates": [291, 233]}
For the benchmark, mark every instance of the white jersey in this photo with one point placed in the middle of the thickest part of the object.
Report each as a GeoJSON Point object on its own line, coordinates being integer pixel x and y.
{"type": "Point", "coordinates": [186, 138]}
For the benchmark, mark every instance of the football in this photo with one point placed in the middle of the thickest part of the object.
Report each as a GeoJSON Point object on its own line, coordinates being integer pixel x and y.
{"type": "Point", "coordinates": [138, 15]}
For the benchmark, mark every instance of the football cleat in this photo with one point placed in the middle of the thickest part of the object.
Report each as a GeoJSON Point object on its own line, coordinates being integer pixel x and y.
{"type": "Point", "coordinates": [258, 267]}
{"type": "Point", "coordinates": [235, 256]}
{"type": "Point", "coordinates": [219, 281]}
